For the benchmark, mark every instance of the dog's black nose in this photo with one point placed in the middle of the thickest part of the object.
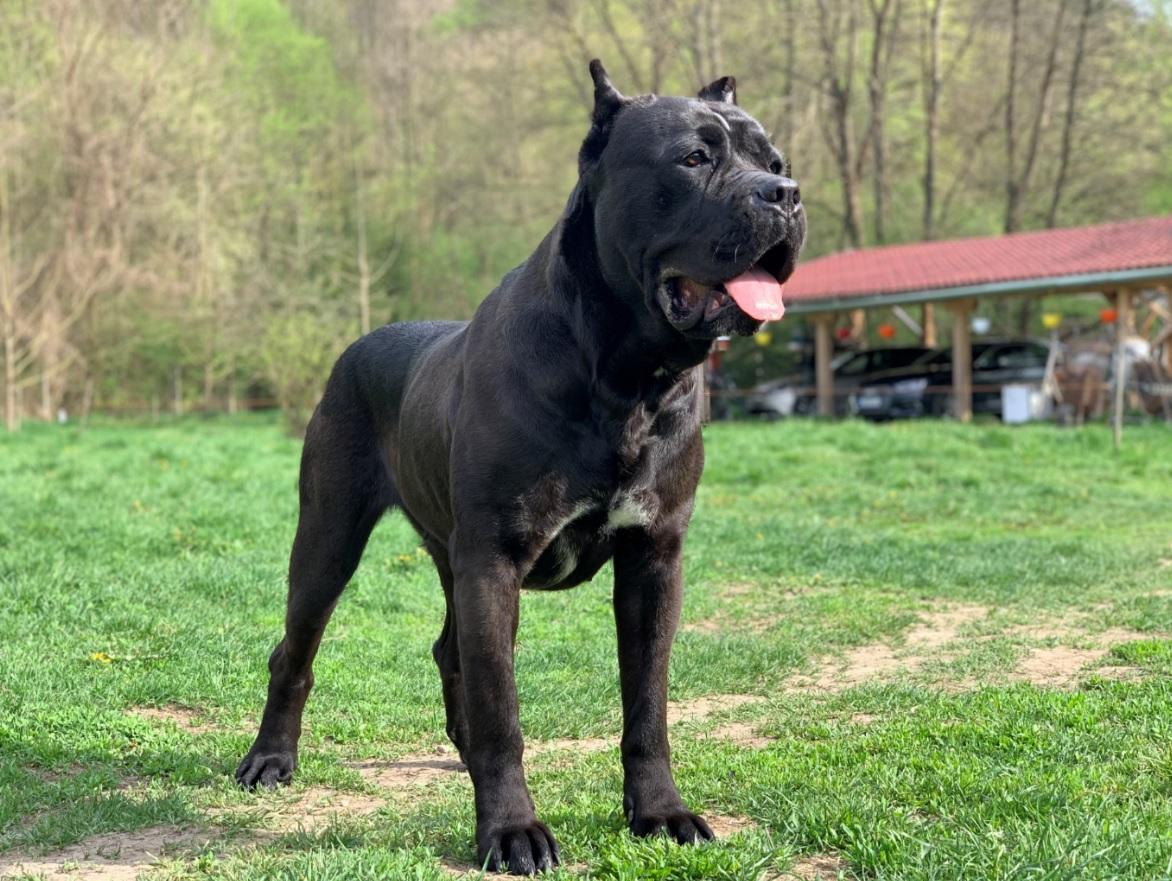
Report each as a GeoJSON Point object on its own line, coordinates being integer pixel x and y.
{"type": "Point", "coordinates": [781, 191]}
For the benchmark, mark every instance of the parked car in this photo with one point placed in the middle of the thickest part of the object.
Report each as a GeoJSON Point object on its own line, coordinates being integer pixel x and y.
{"type": "Point", "coordinates": [794, 395]}
{"type": "Point", "coordinates": [925, 389]}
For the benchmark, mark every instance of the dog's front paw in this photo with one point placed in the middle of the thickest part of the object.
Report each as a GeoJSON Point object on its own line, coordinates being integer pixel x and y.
{"type": "Point", "coordinates": [678, 822]}
{"type": "Point", "coordinates": [521, 848]}
{"type": "Point", "coordinates": [266, 768]}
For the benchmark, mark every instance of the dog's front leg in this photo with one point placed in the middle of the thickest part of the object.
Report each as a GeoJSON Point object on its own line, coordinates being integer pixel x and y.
{"type": "Point", "coordinates": [647, 597]}
{"type": "Point", "coordinates": [487, 592]}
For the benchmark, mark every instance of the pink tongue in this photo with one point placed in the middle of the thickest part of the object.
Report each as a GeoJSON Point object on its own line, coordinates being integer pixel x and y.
{"type": "Point", "coordinates": [758, 293]}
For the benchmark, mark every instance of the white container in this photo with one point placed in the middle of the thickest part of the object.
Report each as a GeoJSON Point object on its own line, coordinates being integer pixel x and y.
{"type": "Point", "coordinates": [1022, 403]}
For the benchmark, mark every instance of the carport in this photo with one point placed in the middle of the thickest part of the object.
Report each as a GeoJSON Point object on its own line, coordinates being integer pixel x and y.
{"type": "Point", "coordinates": [1115, 259]}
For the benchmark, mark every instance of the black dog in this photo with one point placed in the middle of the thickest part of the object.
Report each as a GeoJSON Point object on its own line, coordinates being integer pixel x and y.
{"type": "Point", "coordinates": [556, 430]}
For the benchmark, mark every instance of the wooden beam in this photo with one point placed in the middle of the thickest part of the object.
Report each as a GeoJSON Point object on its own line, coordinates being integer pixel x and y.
{"type": "Point", "coordinates": [1122, 323]}
{"type": "Point", "coordinates": [823, 355]}
{"type": "Point", "coordinates": [962, 360]}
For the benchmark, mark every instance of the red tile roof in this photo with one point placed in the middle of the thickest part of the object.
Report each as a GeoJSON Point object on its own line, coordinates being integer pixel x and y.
{"type": "Point", "coordinates": [1087, 250]}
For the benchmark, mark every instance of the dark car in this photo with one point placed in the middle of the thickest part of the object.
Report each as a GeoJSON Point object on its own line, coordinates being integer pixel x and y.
{"type": "Point", "coordinates": [794, 395]}
{"type": "Point", "coordinates": [925, 389]}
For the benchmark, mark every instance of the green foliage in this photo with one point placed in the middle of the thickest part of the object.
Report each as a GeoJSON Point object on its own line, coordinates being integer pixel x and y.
{"type": "Point", "coordinates": [284, 75]}
{"type": "Point", "coordinates": [297, 350]}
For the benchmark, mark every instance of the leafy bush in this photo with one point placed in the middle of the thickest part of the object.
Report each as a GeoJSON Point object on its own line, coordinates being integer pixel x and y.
{"type": "Point", "coordinates": [297, 351]}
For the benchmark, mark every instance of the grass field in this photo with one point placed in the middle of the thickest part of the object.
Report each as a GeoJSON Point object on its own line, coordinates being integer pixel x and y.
{"type": "Point", "coordinates": [916, 651]}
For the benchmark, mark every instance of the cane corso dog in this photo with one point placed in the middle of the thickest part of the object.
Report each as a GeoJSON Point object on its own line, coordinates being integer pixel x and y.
{"type": "Point", "coordinates": [558, 429]}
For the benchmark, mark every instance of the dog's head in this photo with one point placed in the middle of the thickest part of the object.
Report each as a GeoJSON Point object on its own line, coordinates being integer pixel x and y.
{"type": "Point", "coordinates": [695, 214]}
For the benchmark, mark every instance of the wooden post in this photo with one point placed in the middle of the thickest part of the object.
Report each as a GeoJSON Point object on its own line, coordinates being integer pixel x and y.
{"type": "Point", "coordinates": [823, 355]}
{"type": "Point", "coordinates": [928, 326]}
{"type": "Point", "coordinates": [1166, 333]}
{"type": "Point", "coordinates": [1122, 322]}
{"type": "Point", "coordinates": [962, 361]}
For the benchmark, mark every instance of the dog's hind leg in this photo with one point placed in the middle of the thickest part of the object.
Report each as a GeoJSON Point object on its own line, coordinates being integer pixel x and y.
{"type": "Point", "coordinates": [446, 652]}
{"type": "Point", "coordinates": [344, 490]}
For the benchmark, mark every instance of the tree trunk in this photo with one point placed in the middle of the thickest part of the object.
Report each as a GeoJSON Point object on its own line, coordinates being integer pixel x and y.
{"type": "Point", "coordinates": [791, 80]}
{"type": "Point", "coordinates": [46, 398]}
{"type": "Point", "coordinates": [885, 17]}
{"type": "Point", "coordinates": [363, 259]}
{"type": "Point", "coordinates": [1012, 194]}
{"type": "Point", "coordinates": [11, 414]}
{"type": "Point", "coordinates": [932, 83]}
{"type": "Point", "coordinates": [840, 135]}
{"type": "Point", "coordinates": [209, 387]}
{"type": "Point", "coordinates": [852, 210]}
{"type": "Point", "coordinates": [1018, 183]}
{"type": "Point", "coordinates": [87, 400]}
{"type": "Point", "coordinates": [1088, 11]}
{"type": "Point", "coordinates": [233, 392]}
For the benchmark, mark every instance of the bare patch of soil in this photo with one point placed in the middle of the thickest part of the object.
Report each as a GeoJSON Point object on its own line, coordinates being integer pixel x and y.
{"type": "Point", "coordinates": [460, 869]}
{"type": "Point", "coordinates": [819, 867]}
{"type": "Point", "coordinates": [423, 769]}
{"type": "Point", "coordinates": [701, 708]}
{"type": "Point", "coordinates": [697, 710]}
{"type": "Point", "coordinates": [943, 625]}
{"type": "Point", "coordinates": [567, 744]}
{"type": "Point", "coordinates": [1063, 665]}
{"type": "Point", "coordinates": [726, 827]}
{"type": "Point", "coordinates": [317, 807]}
{"type": "Point", "coordinates": [1041, 631]}
{"type": "Point", "coordinates": [742, 734]}
{"type": "Point", "coordinates": [118, 856]}
{"type": "Point", "coordinates": [52, 777]}
{"type": "Point", "coordinates": [1055, 666]}
{"type": "Point", "coordinates": [931, 637]}
{"type": "Point", "coordinates": [934, 631]}
{"type": "Point", "coordinates": [308, 810]}
{"type": "Point", "coordinates": [180, 716]}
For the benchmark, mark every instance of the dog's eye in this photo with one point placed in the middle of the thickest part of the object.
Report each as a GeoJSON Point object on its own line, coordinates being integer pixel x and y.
{"type": "Point", "coordinates": [695, 159]}
{"type": "Point", "coordinates": [775, 166]}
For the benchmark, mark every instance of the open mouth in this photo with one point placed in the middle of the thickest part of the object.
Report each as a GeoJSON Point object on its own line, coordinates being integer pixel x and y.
{"type": "Point", "coordinates": [757, 291]}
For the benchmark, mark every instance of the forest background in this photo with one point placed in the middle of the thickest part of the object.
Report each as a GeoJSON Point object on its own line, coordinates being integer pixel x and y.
{"type": "Point", "coordinates": [203, 201]}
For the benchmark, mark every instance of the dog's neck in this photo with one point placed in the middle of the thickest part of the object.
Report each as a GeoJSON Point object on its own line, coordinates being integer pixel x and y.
{"type": "Point", "coordinates": [632, 355]}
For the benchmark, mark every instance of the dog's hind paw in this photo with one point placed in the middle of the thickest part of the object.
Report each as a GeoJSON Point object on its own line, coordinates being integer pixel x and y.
{"type": "Point", "coordinates": [523, 849]}
{"type": "Point", "coordinates": [264, 768]}
{"type": "Point", "coordinates": [680, 823]}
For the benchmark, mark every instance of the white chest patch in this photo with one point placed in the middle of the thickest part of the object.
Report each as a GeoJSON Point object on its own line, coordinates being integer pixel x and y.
{"type": "Point", "coordinates": [630, 509]}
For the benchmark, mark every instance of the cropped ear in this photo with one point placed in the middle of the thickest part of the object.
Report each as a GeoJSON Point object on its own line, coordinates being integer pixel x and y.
{"type": "Point", "coordinates": [723, 91]}
{"type": "Point", "coordinates": [607, 100]}
{"type": "Point", "coordinates": [607, 104]}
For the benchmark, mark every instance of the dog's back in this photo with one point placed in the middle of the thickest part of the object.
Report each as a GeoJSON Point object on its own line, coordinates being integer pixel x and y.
{"type": "Point", "coordinates": [372, 373]}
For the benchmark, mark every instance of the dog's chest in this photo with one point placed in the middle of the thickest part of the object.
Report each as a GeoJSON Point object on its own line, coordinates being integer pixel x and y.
{"type": "Point", "coordinates": [629, 497]}
{"type": "Point", "coordinates": [583, 539]}
{"type": "Point", "coordinates": [580, 538]}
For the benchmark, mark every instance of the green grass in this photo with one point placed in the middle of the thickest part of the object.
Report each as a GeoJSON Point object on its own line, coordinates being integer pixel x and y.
{"type": "Point", "coordinates": [144, 566]}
